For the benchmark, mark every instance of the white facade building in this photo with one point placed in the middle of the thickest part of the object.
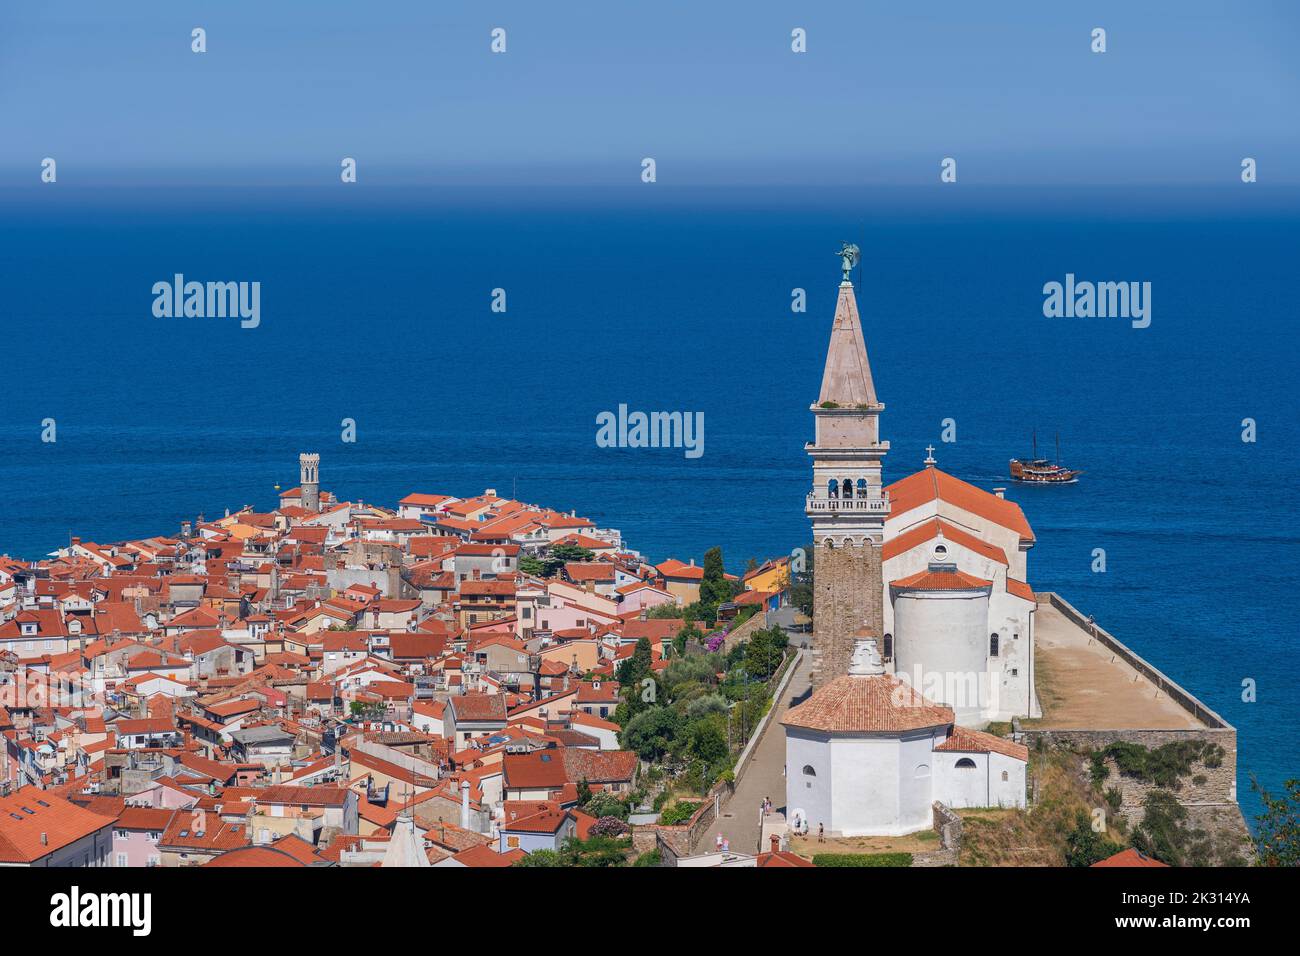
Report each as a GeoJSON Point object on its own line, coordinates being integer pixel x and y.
{"type": "Point", "coordinates": [867, 755]}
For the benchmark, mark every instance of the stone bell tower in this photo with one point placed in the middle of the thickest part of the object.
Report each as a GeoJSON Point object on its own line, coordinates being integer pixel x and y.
{"type": "Point", "coordinates": [309, 480]}
{"type": "Point", "coordinates": [847, 505]}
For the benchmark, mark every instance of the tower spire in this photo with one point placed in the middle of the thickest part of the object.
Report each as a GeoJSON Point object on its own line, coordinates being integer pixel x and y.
{"type": "Point", "coordinates": [847, 504]}
{"type": "Point", "coordinates": [847, 377]}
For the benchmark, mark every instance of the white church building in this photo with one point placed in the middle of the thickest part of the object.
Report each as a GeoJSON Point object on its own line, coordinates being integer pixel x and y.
{"type": "Point", "coordinates": [868, 756]}
{"type": "Point", "coordinates": [923, 624]}
{"type": "Point", "coordinates": [958, 614]}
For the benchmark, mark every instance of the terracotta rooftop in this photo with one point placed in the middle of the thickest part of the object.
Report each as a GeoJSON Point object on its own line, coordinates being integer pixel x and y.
{"type": "Point", "coordinates": [34, 823]}
{"type": "Point", "coordinates": [1129, 857]}
{"type": "Point", "coordinates": [928, 530]}
{"type": "Point", "coordinates": [929, 484]}
{"type": "Point", "coordinates": [941, 581]}
{"type": "Point", "coordinates": [965, 740]}
{"type": "Point", "coordinates": [867, 704]}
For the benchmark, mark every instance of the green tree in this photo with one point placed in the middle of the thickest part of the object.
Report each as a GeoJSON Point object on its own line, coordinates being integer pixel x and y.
{"type": "Point", "coordinates": [652, 732]}
{"type": "Point", "coordinates": [637, 667]}
{"type": "Point", "coordinates": [597, 851]}
{"type": "Point", "coordinates": [669, 610]}
{"type": "Point", "coordinates": [606, 805]}
{"type": "Point", "coordinates": [1165, 834]}
{"type": "Point", "coordinates": [1277, 829]}
{"type": "Point", "coordinates": [707, 741]}
{"type": "Point", "coordinates": [761, 656]}
{"type": "Point", "coordinates": [714, 586]}
{"type": "Point", "coordinates": [687, 634]}
{"type": "Point", "coordinates": [367, 710]}
{"type": "Point", "coordinates": [543, 858]}
{"type": "Point", "coordinates": [1084, 846]}
{"type": "Point", "coordinates": [570, 552]}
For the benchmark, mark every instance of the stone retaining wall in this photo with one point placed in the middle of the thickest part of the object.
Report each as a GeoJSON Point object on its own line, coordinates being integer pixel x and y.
{"type": "Point", "coordinates": [756, 622]}
{"type": "Point", "coordinates": [679, 840]}
{"type": "Point", "coordinates": [1220, 784]}
{"type": "Point", "coordinates": [948, 825]}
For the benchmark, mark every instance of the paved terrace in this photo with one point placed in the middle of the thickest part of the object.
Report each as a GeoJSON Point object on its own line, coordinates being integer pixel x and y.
{"type": "Point", "coordinates": [1085, 685]}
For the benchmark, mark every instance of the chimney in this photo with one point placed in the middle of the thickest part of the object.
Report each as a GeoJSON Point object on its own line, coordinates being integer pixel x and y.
{"type": "Point", "coordinates": [464, 807]}
{"type": "Point", "coordinates": [45, 838]}
{"type": "Point", "coordinates": [644, 615]}
{"type": "Point", "coordinates": [692, 562]}
{"type": "Point", "coordinates": [776, 843]}
{"type": "Point", "coordinates": [1000, 492]}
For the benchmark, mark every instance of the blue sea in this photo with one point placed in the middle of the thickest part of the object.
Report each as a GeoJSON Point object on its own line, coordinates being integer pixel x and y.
{"type": "Point", "coordinates": [376, 307]}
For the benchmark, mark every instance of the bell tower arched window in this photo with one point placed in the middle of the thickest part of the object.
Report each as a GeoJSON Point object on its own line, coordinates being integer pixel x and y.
{"type": "Point", "coordinates": [833, 488]}
{"type": "Point", "coordinates": [847, 490]}
{"type": "Point", "coordinates": [862, 487]}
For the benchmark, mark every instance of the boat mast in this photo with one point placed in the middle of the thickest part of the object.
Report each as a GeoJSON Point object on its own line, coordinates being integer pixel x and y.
{"type": "Point", "coordinates": [1058, 449]}
{"type": "Point", "coordinates": [1035, 440]}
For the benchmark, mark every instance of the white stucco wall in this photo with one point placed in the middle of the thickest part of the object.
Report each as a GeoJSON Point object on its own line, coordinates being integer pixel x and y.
{"type": "Point", "coordinates": [981, 786]}
{"type": "Point", "coordinates": [863, 784]}
{"type": "Point", "coordinates": [941, 648]}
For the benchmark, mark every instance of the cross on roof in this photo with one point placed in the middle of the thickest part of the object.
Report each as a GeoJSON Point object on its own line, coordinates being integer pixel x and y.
{"type": "Point", "coordinates": [929, 454]}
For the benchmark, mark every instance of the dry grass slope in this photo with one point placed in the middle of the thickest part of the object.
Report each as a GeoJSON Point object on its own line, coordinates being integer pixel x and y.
{"type": "Point", "coordinates": [1037, 836]}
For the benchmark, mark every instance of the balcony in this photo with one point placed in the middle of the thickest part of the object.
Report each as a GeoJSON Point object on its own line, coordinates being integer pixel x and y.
{"type": "Point", "coordinates": [821, 504]}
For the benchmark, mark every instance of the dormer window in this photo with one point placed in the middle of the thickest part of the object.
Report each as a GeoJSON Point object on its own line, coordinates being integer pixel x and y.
{"type": "Point", "coordinates": [28, 627]}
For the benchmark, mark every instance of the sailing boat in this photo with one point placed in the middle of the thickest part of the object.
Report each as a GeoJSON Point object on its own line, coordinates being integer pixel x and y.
{"type": "Point", "coordinates": [1037, 470]}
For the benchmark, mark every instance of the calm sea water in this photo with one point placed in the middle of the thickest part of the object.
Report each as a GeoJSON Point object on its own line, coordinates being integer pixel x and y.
{"type": "Point", "coordinates": [375, 307]}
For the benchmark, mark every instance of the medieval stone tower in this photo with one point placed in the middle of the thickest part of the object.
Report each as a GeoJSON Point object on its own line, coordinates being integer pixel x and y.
{"type": "Point", "coordinates": [309, 480]}
{"type": "Point", "coordinates": [847, 505]}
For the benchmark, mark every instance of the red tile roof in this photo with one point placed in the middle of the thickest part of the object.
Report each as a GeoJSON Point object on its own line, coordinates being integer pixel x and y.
{"type": "Point", "coordinates": [539, 770]}
{"type": "Point", "coordinates": [940, 581]}
{"type": "Point", "coordinates": [1021, 590]}
{"type": "Point", "coordinates": [1129, 857]}
{"type": "Point", "coordinates": [863, 704]}
{"type": "Point", "coordinates": [927, 530]}
{"type": "Point", "coordinates": [931, 483]}
{"type": "Point", "coordinates": [965, 740]}
{"type": "Point", "coordinates": [484, 856]}
{"type": "Point", "coordinates": [35, 823]}
{"type": "Point", "coordinates": [256, 856]}
{"type": "Point", "coordinates": [478, 707]}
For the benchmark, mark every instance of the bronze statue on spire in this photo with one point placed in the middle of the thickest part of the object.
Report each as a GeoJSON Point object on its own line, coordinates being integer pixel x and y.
{"type": "Point", "coordinates": [850, 254]}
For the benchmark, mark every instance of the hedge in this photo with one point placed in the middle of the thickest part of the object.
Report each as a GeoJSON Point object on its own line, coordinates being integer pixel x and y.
{"type": "Point", "coordinates": [862, 859]}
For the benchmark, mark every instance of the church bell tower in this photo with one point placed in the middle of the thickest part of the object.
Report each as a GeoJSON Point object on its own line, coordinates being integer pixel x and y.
{"type": "Point", "coordinates": [847, 505]}
{"type": "Point", "coordinates": [309, 480]}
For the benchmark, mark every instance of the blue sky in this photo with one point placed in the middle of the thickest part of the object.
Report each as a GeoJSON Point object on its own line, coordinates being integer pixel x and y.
{"type": "Point", "coordinates": [712, 91]}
